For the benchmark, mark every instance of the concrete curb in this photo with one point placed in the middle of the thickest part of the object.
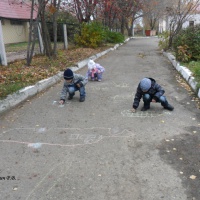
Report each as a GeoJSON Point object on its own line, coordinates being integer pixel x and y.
{"type": "Point", "coordinates": [18, 97]}
{"type": "Point", "coordinates": [184, 71]}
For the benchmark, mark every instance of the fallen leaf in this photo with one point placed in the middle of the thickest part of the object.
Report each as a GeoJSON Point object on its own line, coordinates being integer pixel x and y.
{"type": "Point", "coordinates": [194, 132]}
{"type": "Point", "coordinates": [193, 177]}
{"type": "Point", "coordinates": [15, 188]}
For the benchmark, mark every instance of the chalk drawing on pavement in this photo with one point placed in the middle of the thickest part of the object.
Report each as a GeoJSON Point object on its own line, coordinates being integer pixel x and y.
{"type": "Point", "coordinates": [121, 85]}
{"type": "Point", "coordinates": [142, 114]}
{"type": "Point", "coordinates": [98, 88]}
{"type": "Point", "coordinates": [57, 171]}
{"type": "Point", "coordinates": [120, 98]}
{"type": "Point", "coordinates": [56, 103]}
{"type": "Point", "coordinates": [63, 137]}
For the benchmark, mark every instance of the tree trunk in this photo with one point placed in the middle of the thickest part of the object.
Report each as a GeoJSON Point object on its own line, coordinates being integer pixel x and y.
{"type": "Point", "coordinates": [30, 41]}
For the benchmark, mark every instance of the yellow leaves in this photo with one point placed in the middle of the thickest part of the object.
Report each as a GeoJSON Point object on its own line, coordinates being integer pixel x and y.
{"type": "Point", "coordinates": [52, 9]}
{"type": "Point", "coordinates": [17, 75]}
{"type": "Point", "coordinates": [193, 177]}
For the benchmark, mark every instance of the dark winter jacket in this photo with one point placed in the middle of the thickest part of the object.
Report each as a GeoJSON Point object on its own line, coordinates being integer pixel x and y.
{"type": "Point", "coordinates": [155, 91]}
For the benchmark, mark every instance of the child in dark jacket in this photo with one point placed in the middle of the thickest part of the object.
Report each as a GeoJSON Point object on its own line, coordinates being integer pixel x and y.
{"type": "Point", "coordinates": [73, 82]}
{"type": "Point", "coordinates": [150, 91]}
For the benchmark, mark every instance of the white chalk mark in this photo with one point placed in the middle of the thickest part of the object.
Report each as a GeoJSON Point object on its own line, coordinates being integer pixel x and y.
{"type": "Point", "coordinates": [74, 136]}
{"type": "Point", "coordinates": [122, 85]}
{"type": "Point", "coordinates": [54, 103]}
{"type": "Point", "coordinates": [61, 106]}
{"type": "Point", "coordinates": [35, 145]}
{"type": "Point", "coordinates": [87, 139]}
{"type": "Point", "coordinates": [128, 113]}
{"type": "Point", "coordinates": [41, 130]}
{"type": "Point", "coordinates": [97, 88]}
{"type": "Point", "coordinates": [119, 98]}
{"type": "Point", "coordinates": [42, 180]}
{"type": "Point", "coordinates": [59, 178]}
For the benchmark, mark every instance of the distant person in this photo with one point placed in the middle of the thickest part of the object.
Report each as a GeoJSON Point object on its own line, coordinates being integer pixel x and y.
{"type": "Point", "coordinates": [150, 91]}
{"type": "Point", "coordinates": [95, 71]}
{"type": "Point", "coordinates": [73, 82]}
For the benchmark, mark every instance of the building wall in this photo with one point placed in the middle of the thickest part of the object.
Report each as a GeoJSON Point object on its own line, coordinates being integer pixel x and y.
{"type": "Point", "coordinates": [194, 18]}
{"type": "Point", "coordinates": [163, 23]}
{"type": "Point", "coordinates": [14, 33]}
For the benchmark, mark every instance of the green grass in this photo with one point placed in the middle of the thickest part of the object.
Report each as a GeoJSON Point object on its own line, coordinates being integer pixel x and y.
{"type": "Point", "coordinates": [194, 67]}
{"type": "Point", "coordinates": [10, 88]}
{"type": "Point", "coordinates": [22, 46]}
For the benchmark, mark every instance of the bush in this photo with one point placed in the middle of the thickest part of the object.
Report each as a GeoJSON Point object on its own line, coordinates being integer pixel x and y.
{"type": "Point", "coordinates": [95, 34]}
{"type": "Point", "coordinates": [164, 40]}
{"type": "Point", "coordinates": [190, 38]}
{"type": "Point", "coordinates": [114, 37]}
{"type": "Point", "coordinates": [91, 35]}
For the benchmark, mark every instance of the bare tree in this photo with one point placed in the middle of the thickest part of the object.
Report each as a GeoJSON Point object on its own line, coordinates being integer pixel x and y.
{"type": "Point", "coordinates": [55, 8]}
{"type": "Point", "coordinates": [45, 33]}
{"type": "Point", "coordinates": [83, 9]}
{"type": "Point", "coordinates": [178, 13]}
{"type": "Point", "coordinates": [153, 10]}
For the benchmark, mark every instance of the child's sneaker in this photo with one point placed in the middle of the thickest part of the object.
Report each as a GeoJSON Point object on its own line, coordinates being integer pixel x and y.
{"type": "Point", "coordinates": [82, 99]}
{"type": "Point", "coordinates": [70, 97]}
{"type": "Point", "coordinates": [99, 80]}
{"type": "Point", "coordinates": [145, 108]}
{"type": "Point", "coordinates": [169, 107]}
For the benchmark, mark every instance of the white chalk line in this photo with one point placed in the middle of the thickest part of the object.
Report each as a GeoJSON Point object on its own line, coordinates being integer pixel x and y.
{"type": "Point", "coordinates": [65, 145]}
{"type": "Point", "coordinates": [128, 113]}
{"type": "Point", "coordinates": [101, 137]}
{"type": "Point", "coordinates": [43, 179]}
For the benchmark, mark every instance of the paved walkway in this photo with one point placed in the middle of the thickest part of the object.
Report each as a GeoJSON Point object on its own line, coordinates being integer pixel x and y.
{"type": "Point", "coordinates": [98, 150]}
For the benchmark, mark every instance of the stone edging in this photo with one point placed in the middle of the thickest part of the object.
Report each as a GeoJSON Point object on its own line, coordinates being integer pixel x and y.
{"type": "Point", "coordinates": [16, 98]}
{"type": "Point", "coordinates": [184, 71]}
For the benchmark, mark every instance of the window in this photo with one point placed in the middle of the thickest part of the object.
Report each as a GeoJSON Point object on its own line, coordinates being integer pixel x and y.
{"type": "Point", "coordinates": [16, 22]}
{"type": "Point", "coordinates": [191, 23]}
{"type": "Point", "coordinates": [2, 22]}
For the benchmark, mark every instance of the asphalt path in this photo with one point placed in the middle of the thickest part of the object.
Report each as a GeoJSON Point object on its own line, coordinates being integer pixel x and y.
{"type": "Point", "coordinates": [98, 149]}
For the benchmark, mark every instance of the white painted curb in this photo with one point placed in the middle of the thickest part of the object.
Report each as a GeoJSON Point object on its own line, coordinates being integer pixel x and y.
{"type": "Point", "coordinates": [184, 71]}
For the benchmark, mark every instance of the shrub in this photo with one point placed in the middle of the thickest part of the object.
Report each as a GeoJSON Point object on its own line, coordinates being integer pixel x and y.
{"type": "Point", "coordinates": [114, 37]}
{"type": "Point", "coordinates": [189, 37]}
{"type": "Point", "coordinates": [164, 40]}
{"type": "Point", "coordinates": [91, 35]}
{"type": "Point", "coordinates": [183, 53]}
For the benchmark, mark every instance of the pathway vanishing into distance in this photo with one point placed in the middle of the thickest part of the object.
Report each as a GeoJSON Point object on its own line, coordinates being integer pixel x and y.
{"type": "Point", "coordinates": [98, 149]}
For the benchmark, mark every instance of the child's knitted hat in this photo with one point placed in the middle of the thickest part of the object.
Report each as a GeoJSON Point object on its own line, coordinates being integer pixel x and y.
{"type": "Point", "coordinates": [68, 74]}
{"type": "Point", "coordinates": [145, 84]}
{"type": "Point", "coordinates": [91, 64]}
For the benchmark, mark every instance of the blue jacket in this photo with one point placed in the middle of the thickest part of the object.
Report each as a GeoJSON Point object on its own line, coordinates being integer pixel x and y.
{"type": "Point", "coordinates": [155, 91]}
